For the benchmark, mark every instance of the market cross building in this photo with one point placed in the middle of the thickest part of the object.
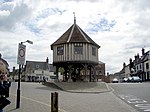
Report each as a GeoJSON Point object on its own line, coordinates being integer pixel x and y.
{"type": "Point", "coordinates": [77, 54]}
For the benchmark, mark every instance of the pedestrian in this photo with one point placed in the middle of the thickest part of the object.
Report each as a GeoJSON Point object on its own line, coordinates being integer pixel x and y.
{"type": "Point", "coordinates": [4, 90]}
{"type": "Point", "coordinates": [44, 80]}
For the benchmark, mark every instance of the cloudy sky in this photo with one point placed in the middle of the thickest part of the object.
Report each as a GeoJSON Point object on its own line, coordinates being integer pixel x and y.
{"type": "Point", "coordinates": [120, 27]}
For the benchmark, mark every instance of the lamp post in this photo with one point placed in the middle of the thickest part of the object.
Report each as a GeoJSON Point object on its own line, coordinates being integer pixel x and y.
{"type": "Point", "coordinates": [20, 61]}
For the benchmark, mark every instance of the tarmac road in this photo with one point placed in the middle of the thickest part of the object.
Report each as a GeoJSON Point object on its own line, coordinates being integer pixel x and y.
{"type": "Point", "coordinates": [135, 94]}
{"type": "Point", "coordinates": [35, 97]}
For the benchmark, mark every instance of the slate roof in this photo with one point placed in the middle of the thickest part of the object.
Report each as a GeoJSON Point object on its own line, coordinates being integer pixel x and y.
{"type": "Point", "coordinates": [35, 65]}
{"type": "Point", "coordinates": [146, 56]}
{"type": "Point", "coordinates": [143, 58]}
{"type": "Point", "coordinates": [4, 60]}
{"type": "Point", "coordinates": [72, 35]}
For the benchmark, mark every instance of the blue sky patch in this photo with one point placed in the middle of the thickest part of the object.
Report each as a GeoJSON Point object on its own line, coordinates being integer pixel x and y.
{"type": "Point", "coordinates": [49, 11]}
{"type": "Point", "coordinates": [7, 1]}
{"type": "Point", "coordinates": [31, 25]}
{"type": "Point", "coordinates": [102, 25]}
{"type": "Point", "coordinates": [42, 14]}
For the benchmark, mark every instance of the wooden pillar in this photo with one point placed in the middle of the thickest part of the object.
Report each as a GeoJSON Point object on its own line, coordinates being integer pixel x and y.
{"type": "Point", "coordinates": [90, 77]}
{"type": "Point", "coordinates": [57, 72]}
{"type": "Point", "coordinates": [66, 78]}
{"type": "Point", "coordinates": [69, 78]}
{"type": "Point", "coordinates": [96, 75]}
{"type": "Point", "coordinates": [85, 68]}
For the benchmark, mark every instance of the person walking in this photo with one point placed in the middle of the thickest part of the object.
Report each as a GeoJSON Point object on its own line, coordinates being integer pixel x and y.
{"type": "Point", "coordinates": [4, 91]}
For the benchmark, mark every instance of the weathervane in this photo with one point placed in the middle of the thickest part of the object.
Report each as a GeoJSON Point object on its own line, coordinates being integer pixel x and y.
{"type": "Point", "coordinates": [74, 17]}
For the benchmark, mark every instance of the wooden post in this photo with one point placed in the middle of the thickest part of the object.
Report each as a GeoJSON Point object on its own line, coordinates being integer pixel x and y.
{"type": "Point", "coordinates": [54, 102]}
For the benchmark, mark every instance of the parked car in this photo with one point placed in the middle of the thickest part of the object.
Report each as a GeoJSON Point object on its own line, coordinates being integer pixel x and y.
{"type": "Point", "coordinates": [115, 80]}
{"type": "Point", "coordinates": [136, 79]}
{"type": "Point", "coordinates": [129, 79]}
{"type": "Point", "coordinates": [125, 79]}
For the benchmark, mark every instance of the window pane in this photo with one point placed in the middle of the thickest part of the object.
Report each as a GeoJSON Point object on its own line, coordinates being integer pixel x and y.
{"type": "Point", "coordinates": [93, 51]}
{"type": "Point", "coordinates": [147, 65]}
{"type": "Point", "coordinates": [60, 50]}
{"type": "Point", "coordinates": [78, 50]}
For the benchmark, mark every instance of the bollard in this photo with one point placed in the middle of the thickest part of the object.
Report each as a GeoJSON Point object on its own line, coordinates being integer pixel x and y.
{"type": "Point", "coordinates": [54, 102]}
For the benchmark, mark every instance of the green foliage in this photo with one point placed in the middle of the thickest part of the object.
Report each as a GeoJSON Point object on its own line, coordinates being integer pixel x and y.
{"type": "Point", "coordinates": [61, 70]}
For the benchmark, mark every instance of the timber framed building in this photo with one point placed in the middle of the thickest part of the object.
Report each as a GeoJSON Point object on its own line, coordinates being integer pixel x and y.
{"type": "Point", "coordinates": [77, 54]}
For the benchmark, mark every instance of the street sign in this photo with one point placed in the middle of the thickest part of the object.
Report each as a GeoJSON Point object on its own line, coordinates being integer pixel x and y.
{"type": "Point", "coordinates": [21, 54]}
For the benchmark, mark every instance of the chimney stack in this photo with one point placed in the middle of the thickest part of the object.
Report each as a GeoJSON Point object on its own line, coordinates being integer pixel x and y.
{"type": "Point", "coordinates": [130, 60]}
{"type": "Point", "coordinates": [138, 56]}
{"type": "Point", "coordinates": [47, 60]}
{"type": "Point", "coordinates": [124, 65]}
{"type": "Point", "coordinates": [143, 51]}
{"type": "Point", "coordinates": [135, 57]}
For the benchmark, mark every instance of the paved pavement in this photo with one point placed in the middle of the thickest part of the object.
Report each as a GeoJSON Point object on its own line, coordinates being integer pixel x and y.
{"type": "Point", "coordinates": [80, 87]}
{"type": "Point", "coordinates": [108, 101]}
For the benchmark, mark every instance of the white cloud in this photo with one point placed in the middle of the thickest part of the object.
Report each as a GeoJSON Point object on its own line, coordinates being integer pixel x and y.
{"type": "Point", "coordinates": [4, 13]}
{"type": "Point", "coordinates": [18, 12]}
{"type": "Point", "coordinates": [122, 33]}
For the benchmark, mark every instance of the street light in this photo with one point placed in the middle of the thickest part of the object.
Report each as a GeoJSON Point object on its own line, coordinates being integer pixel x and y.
{"type": "Point", "coordinates": [20, 61]}
{"type": "Point", "coordinates": [30, 42]}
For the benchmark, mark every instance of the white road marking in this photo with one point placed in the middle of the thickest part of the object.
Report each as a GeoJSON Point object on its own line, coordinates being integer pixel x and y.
{"type": "Point", "coordinates": [139, 103]}
{"type": "Point", "coordinates": [37, 102]}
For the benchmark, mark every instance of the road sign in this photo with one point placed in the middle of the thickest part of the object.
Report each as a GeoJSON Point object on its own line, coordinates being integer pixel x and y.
{"type": "Point", "coordinates": [21, 54]}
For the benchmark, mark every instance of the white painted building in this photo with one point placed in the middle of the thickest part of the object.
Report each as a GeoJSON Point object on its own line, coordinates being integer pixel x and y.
{"type": "Point", "coordinates": [140, 66]}
{"type": "Point", "coordinates": [36, 70]}
{"type": "Point", "coordinates": [147, 66]}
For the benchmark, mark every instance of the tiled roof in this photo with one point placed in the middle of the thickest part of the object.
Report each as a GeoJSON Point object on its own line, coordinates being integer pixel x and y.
{"type": "Point", "coordinates": [74, 34]}
{"type": "Point", "coordinates": [4, 60]}
{"type": "Point", "coordinates": [100, 62]}
{"type": "Point", "coordinates": [35, 65]}
{"type": "Point", "coordinates": [146, 56]}
{"type": "Point", "coordinates": [143, 58]}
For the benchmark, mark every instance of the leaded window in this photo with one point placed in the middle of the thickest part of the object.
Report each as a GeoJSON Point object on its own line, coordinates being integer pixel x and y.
{"type": "Point", "coordinates": [93, 51]}
{"type": "Point", "coordinates": [78, 49]}
{"type": "Point", "coordinates": [60, 50]}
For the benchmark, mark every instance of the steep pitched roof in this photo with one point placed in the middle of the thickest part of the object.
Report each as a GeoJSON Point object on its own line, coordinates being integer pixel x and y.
{"type": "Point", "coordinates": [145, 57]}
{"type": "Point", "coordinates": [74, 34]}
{"type": "Point", "coordinates": [36, 65]}
{"type": "Point", "coordinates": [4, 60]}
